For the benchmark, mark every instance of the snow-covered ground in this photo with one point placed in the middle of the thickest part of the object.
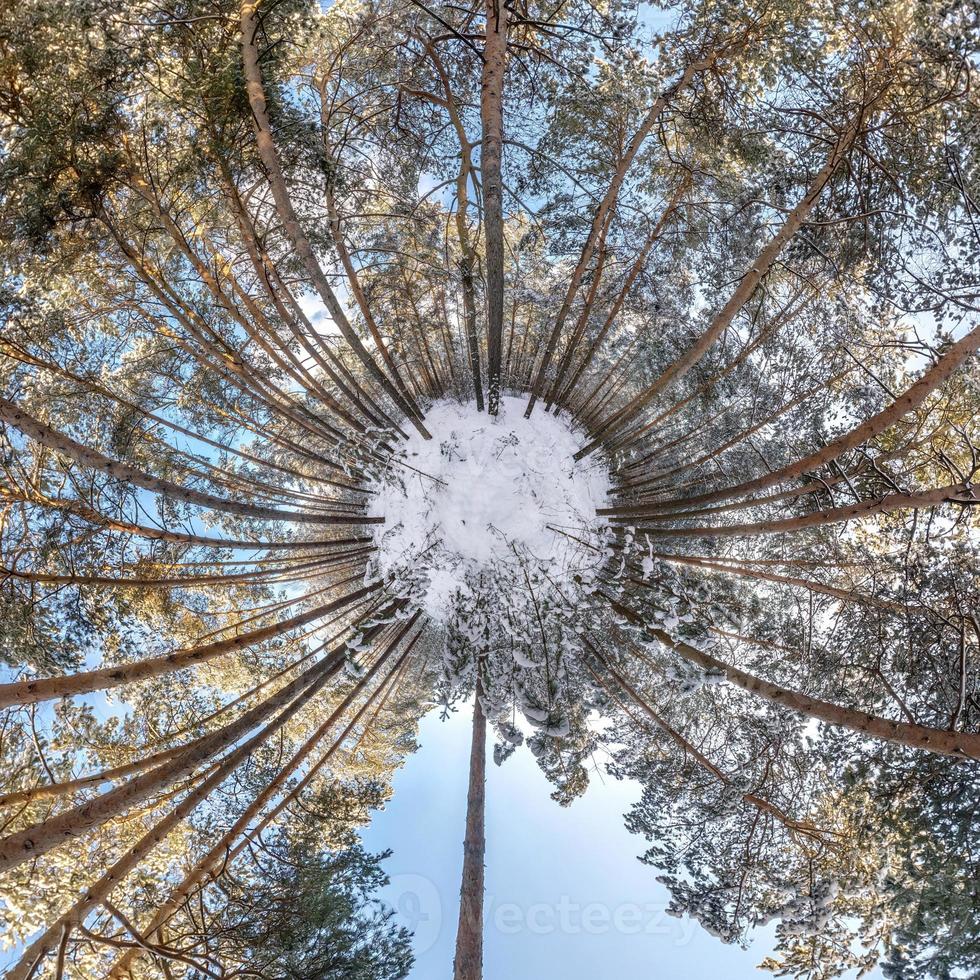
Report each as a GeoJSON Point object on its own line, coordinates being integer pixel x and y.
{"type": "Point", "coordinates": [488, 497]}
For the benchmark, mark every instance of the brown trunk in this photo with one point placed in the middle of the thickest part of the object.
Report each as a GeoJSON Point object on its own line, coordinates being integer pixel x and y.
{"type": "Point", "coordinates": [963, 493]}
{"type": "Point", "coordinates": [749, 281]}
{"type": "Point", "coordinates": [282, 299]}
{"type": "Point", "coordinates": [215, 353]}
{"type": "Point", "coordinates": [31, 842]}
{"type": "Point", "coordinates": [467, 260]}
{"type": "Point", "coordinates": [97, 892]}
{"type": "Point", "coordinates": [13, 415]}
{"type": "Point", "coordinates": [301, 570]}
{"type": "Point", "coordinates": [752, 799]}
{"type": "Point", "coordinates": [788, 311]}
{"type": "Point", "coordinates": [94, 385]}
{"type": "Point", "coordinates": [279, 353]}
{"type": "Point", "coordinates": [90, 514]}
{"type": "Point", "coordinates": [104, 678]}
{"type": "Point", "coordinates": [635, 270]}
{"type": "Point", "coordinates": [960, 744]}
{"type": "Point", "coordinates": [653, 481]}
{"type": "Point", "coordinates": [608, 202]}
{"type": "Point", "coordinates": [468, 963]}
{"type": "Point", "coordinates": [491, 116]}
{"type": "Point", "coordinates": [223, 851]}
{"type": "Point", "coordinates": [907, 402]}
{"type": "Point", "coordinates": [277, 184]}
{"type": "Point", "coordinates": [739, 570]}
{"type": "Point", "coordinates": [358, 292]}
{"type": "Point", "coordinates": [583, 317]}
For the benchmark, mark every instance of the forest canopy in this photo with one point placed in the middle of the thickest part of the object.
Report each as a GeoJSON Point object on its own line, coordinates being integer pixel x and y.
{"type": "Point", "coordinates": [605, 370]}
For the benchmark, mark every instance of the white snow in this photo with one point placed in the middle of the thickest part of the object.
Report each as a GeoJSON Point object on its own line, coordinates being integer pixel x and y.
{"type": "Point", "coordinates": [486, 495]}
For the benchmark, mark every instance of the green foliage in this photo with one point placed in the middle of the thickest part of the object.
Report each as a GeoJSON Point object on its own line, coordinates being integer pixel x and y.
{"type": "Point", "coordinates": [296, 913]}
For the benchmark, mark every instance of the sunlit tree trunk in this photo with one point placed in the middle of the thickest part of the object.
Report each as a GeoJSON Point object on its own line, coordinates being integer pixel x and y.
{"type": "Point", "coordinates": [599, 219]}
{"type": "Point", "coordinates": [13, 415]}
{"type": "Point", "coordinates": [227, 846]}
{"type": "Point", "coordinates": [907, 402]}
{"type": "Point", "coordinates": [752, 277]}
{"type": "Point", "coordinates": [277, 184]}
{"type": "Point", "coordinates": [104, 678]}
{"type": "Point", "coordinates": [960, 744]}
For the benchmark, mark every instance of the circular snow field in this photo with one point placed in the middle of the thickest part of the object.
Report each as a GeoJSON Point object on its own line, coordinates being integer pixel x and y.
{"type": "Point", "coordinates": [485, 501]}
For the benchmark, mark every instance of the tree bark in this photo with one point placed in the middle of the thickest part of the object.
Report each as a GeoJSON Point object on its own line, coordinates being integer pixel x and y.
{"type": "Point", "coordinates": [732, 567]}
{"type": "Point", "coordinates": [608, 202]}
{"type": "Point", "coordinates": [224, 850]}
{"type": "Point", "coordinates": [907, 402]}
{"type": "Point", "coordinates": [300, 570]}
{"type": "Point", "coordinates": [752, 799]}
{"type": "Point", "coordinates": [14, 416]}
{"type": "Point", "coordinates": [963, 493]}
{"type": "Point", "coordinates": [468, 963]}
{"type": "Point", "coordinates": [491, 115]}
{"type": "Point", "coordinates": [94, 894]}
{"type": "Point", "coordinates": [92, 516]}
{"type": "Point", "coordinates": [36, 840]}
{"type": "Point", "coordinates": [467, 260]}
{"type": "Point", "coordinates": [962, 745]}
{"type": "Point", "coordinates": [277, 184]}
{"type": "Point", "coordinates": [561, 397]}
{"type": "Point", "coordinates": [749, 281]}
{"type": "Point", "coordinates": [104, 678]}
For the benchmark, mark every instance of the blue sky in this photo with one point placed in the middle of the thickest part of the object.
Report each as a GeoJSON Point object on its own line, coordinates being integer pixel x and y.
{"type": "Point", "coordinates": [566, 896]}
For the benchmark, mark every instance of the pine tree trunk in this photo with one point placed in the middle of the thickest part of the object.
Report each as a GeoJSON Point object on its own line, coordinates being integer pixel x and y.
{"type": "Point", "coordinates": [223, 851]}
{"type": "Point", "coordinates": [907, 402]}
{"type": "Point", "coordinates": [277, 184]}
{"type": "Point", "coordinates": [80, 509]}
{"type": "Point", "coordinates": [637, 267]}
{"type": "Point", "coordinates": [33, 841]}
{"type": "Point", "coordinates": [491, 112]}
{"type": "Point", "coordinates": [960, 493]}
{"type": "Point", "coordinates": [468, 964]}
{"type": "Point", "coordinates": [749, 281]}
{"type": "Point", "coordinates": [963, 745]}
{"type": "Point", "coordinates": [104, 678]}
{"type": "Point", "coordinates": [94, 894]}
{"type": "Point", "coordinates": [689, 749]}
{"type": "Point", "coordinates": [599, 219]}
{"type": "Point", "coordinates": [13, 415]}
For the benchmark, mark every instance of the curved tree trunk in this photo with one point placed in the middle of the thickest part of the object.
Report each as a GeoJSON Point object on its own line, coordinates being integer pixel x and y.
{"type": "Point", "coordinates": [37, 839]}
{"type": "Point", "coordinates": [730, 566]}
{"type": "Point", "coordinates": [752, 799]}
{"type": "Point", "coordinates": [14, 416]}
{"type": "Point", "coordinates": [608, 202]}
{"type": "Point", "coordinates": [95, 893]}
{"type": "Point", "coordinates": [749, 281]}
{"type": "Point", "coordinates": [104, 678]}
{"type": "Point", "coordinates": [962, 493]}
{"type": "Point", "coordinates": [561, 397]}
{"type": "Point", "coordinates": [224, 849]}
{"type": "Point", "coordinates": [270, 160]}
{"type": "Point", "coordinates": [963, 745]}
{"type": "Point", "coordinates": [300, 570]}
{"type": "Point", "coordinates": [907, 402]}
{"type": "Point", "coordinates": [85, 512]}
